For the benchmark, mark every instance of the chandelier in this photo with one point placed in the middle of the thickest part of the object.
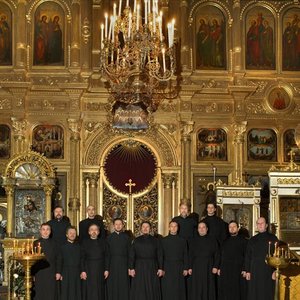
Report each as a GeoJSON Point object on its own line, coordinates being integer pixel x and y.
{"type": "Point", "coordinates": [137, 60]}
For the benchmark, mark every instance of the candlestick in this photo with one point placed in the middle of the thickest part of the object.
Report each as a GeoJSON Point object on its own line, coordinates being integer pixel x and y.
{"type": "Point", "coordinates": [106, 24]}
{"type": "Point", "coordinates": [275, 249]}
{"type": "Point", "coordinates": [269, 252]}
{"type": "Point", "coordinates": [163, 50]}
{"type": "Point", "coordinates": [127, 3]}
{"type": "Point", "coordinates": [115, 9]}
{"type": "Point", "coordinates": [102, 36]}
{"type": "Point", "coordinates": [138, 18]}
{"type": "Point", "coordinates": [130, 24]}
{"type": "Point", "coordinates": [120, 7]}
{"type": "Point", "coordinates": [146, 11]}
{"type": "Point", "coordinates": [134, 6]}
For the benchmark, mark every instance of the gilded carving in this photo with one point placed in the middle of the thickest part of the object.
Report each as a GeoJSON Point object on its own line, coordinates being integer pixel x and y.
{"type": "Point", "coordinates": [5, 104]}
{"type": "Point", "coordinates": [86, 30]}
{"type": "Point", "coordinates": [168, 179]}
{"type": "Point", "coordinates": [19, 126]}
{"type": "Point", "coordinates": [288, 181]}
{"type": "Point", "coordinates": [75, 127]}
{"type": "Point", "coordinates": [241, 194]}
{"type": "Point", "coordinates": [255, 108]}
{"type": "Point", "coordinates": [239, 131]}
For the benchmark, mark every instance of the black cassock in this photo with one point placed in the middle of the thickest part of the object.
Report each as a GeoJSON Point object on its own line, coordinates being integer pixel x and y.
{"type": "Point", "coordinates": [175, 262]}
{"type": "Point", "coordinates": [70, 269]}
{"type": "Point", "coordinates": [94, 263]}
{"type": "Point", "coordinates": [261, 286]}
{"type": "Point", "coordinates": [187, 226]}
{"type": "Point", "coordinates": [118, 280]}
{"type": "Point", "coordinates": [217, 228]}
{"type": "Point", "coordinates": [86, 223]}
{"type": "Point", "coordinates": [231, 282]}
{"type": "Point", "coordinates": [59, 229]}
{"type": "Point", "coordinates": [204, 256]}
{"type": "Point", "coordinates": [145, 258]}
{"type": "Point", "coordinates": [44, 271]}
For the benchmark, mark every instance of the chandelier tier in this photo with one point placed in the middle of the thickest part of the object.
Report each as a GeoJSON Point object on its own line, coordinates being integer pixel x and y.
{"type": "Point", "coordinates": [136, 59]}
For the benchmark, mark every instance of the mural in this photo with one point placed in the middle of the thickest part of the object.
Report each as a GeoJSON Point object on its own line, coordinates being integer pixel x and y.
{"type": "Point", "coordinates": [262, 145]}
{"type": "Point", "coordinates": [48, 140]}
{"type": "Point", "coordinates": [210, 39]}
{"type": "Point", "coordinates": [289, 213]}
{"type": "Point", "coordinates": [260, 39]}
{"type": "Point", "coordinates": [279, 99]}
{"type": "Point", "coordinates": [48, 35]}
{"type": "Point", "coordinates": [4, 141]}
{"type": "Point", "coordinates": [291, 40]}
{"type": "Point", "coordinates": [5, 35]}
{"type": "Point", "coordinates": [290, 143]}
{"type": "Point", "coordinates": [211, 144]}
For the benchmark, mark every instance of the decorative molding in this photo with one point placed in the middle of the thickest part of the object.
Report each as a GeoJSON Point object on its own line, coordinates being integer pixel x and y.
{"type": "Point", "coordinates": [86, 30]}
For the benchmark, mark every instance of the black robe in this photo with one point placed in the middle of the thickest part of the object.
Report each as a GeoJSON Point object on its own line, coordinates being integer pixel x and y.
{"type": "Point", "coordinates": [44, 271]}
{"type": "Point", "coordinates": [70, 269]}
{"type": "Point", "coordinates": [93, 262]}
{"type": "Point", "coordinates": [175, 262]}
{"type": "Point", "coordinates": [118, 279]}
{"type": "Point", "coordinates": [187, 226]}
{"type": "Point", "coordinates": [231, 282]}
{"type": "Point", "coordinates": [261, 286]}
{"type": "Point", "coordinates": [145, 258]}
{"type": "Point", "coordinates": [217, 228]}
{"type": "Point", "coordinates": [59, 229]}
{"type": "Point", "coordinates": [204, 256]}
{"type": "Point", "coordinates": [86, 223]}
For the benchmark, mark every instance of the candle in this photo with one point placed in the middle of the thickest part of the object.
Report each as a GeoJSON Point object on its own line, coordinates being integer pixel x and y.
{"type": "Point", "coordinates": [129, 24]}
{"type": "Point", "coordinates": [169, 33]}
{"type": "Point", "coordinates": [269, 251]}
{"type": "Point", "coordinates": [275, 249]}
{"type": "Point", "coordinates": [106, 24]}
{"type": "Point", "coordinates": [14, 245]}
{"type": "Point", "coordinates": [288, 252]}
{"type": "Point", "coordinates": [120, 7]}
{"type": "Point", "coordinates": [163, 50]}
{"type": "Point", "coordinates": [146, 11]}
{"type": "Point", "coordinates": [39, 248]}
{"type": "Point", "coordinates": [134, 6]}
{"type": "Point", "coordinates": [115, 9]}
{"type": "Point", "coordinates": [113, 30]}
{"type": "Point", "coordinates": [160, 27]}
{"type": "Point", "coordinates": [127, 3]}
{"type": "Point", "coordinates": [138, 18]}
{"type": "Point", "coordinates": [154, 19]}
{"type": "Point", "coordinates": [102, 35]}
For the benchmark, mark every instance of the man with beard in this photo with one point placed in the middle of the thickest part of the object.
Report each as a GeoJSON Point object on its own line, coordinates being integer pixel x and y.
{"type": "Point", "coordinates": [45, 271]}
{"type": "Point", "coordinates": [231, 272]}
{"type": "Point", "coordinates": [175, 265]}
{"type": "Point", "coordinates": [86, 223]}
{"type": "Point", "coordinates": [145, 263]}
{"type": "Point", "coordinates": [119, 245]}
{"type": "Point", "coordinates": [69, 267]}
{"type": "Point", "coordinates": [94, 265]}
{"type": "Point", "coordinates": [59, 225]}
{"type": "Point", "coordinates": [259, 274]}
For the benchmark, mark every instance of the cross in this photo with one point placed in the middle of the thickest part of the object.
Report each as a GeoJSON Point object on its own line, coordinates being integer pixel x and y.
{"type": "Point", "coordinates": [130, 184]}
{"type": "Point", "coordinates": [291, 154]}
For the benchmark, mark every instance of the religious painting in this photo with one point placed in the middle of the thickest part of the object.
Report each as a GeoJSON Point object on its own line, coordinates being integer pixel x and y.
{"type": "Point", "coordinates": [115, 211]}
{"type": "Point", "coordinates": [48, 140]}
{"type": "Point", "coordinates": [5, 35]}
{"type": "Point", "coordinates": [49, 35]}
{"type": "Point", "coordinates": [290, 40]}
{"type": "Point", "coordinates": [210, 39]}
{"type": "Point", "coordinates": [260, 39]}
{"type": "Point", "coordinates": [289, 143]}
{"type": "Point", "coordinates": [29, 212]}
{"type": "Point", "coordinates": [279, 99]}
{"type": "Point", "coordinates": [262, 145]}
{"type": "Point", "coordinates": [145, 212]}
{"type": "Point", "coordinates": [4, 141]}
{"type": "Point", "coordinates": [211, 144]}
{"type": "Point", "coordinates": [130, 116]}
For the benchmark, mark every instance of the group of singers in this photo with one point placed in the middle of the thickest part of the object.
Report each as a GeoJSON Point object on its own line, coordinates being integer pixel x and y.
{"type": "Point", "coordinates": [206, 260]}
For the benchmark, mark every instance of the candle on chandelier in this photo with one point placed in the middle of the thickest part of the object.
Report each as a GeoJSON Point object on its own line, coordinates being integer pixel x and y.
{"type": "Point", "coordinates": [102, 35]}
{"type": "Point", "coordinates": [106, 24]}
{"type": "Point", "coordinates": [127, 3]}
{"type": "Point", "coordinates": [115, 9]}
{"type": "Point", "coordinates": [134, 6]}
{"type": "Point", "coordinates": [138, 17]}
{"type": "Point", "coordinates": [154, 19]}
{"type": "Point", "coordinates": [146, 13]}
{"type": "Point", "coordinates": [275, 249]}
{"type": "Point", "coordinates": [269, 250]}
{"type": "Point", "coordinates": [160, 26]}
{"type": "Point", "coordinates": [120, 7]}
{"type": "Point", "coordinates": [163, 51]}
{"type": "Point", "coordinates": [129, 24]}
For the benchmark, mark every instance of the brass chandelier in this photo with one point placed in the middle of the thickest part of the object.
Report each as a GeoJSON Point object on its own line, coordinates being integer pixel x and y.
{"type": "Point", "coordinates": [136, 59]}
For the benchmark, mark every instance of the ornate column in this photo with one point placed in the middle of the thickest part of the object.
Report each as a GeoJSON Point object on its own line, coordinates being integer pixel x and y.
{"type": "Point", "coordinates": [21, 35]}
{"type": "Point", "coordinates": [75, 35]}
{"type": "Point", "coordinates": [238, 143]}
{"type": "Point", "coordinates": [186, 130]}
{"type": "Point", "coordinates": [19, 134]}
{"type": "Point", "coordinates": [74, 201]}
{"type": "Point", "coordinates": [237, 38]}
{"type": "Point", "coordinates": [86, 34]}
{"type": "Point", "coordinates": [184, 35]}
{"type": "Point", "coordinates": [168, 179]}
{"type": "Point", "coordinates": [10, 218]}
{"type": "Point", "coordinates": [93, 189]}
{"type": "Point", "coordinates": [48, 192]}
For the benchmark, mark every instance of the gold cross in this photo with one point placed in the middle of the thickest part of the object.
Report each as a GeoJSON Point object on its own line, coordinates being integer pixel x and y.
{"type": "Point", "coordinates": [130, 184]}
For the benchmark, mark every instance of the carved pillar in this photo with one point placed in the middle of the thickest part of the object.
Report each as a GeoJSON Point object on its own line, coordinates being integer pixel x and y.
{"type": "Point", "coordinates": [93, 190]}
{"type": "Point", "coordinates": [48, 192]}
{"type": "Point", "coordinates": [184, 30]}
{"type": "Point", "coordinates": [238, 143]}
{"type": "Point", "coordinates": [74, 201]}
{"type": "Point", "coordinates": [175, 203]}
{"type": "Point", "coordinates": [19, 134]}
{"type": "Point", "coordinates": [167, 208]}
{"type": "Point", "coordinates": [21, 35]}
{"type": "Point", "coordinates": [186, 130]}
{"type": "Point", "coordinates": [10, 219]}
{"type": "Point", "coordinates": [237, 38]}
{"type": "Point", "coordinates": [75, 35]}
{"type": "Point", "coordinates": [86, 34]}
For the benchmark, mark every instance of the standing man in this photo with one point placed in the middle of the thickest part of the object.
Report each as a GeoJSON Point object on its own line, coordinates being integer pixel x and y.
{"type": "Point", "coordinates": [45, 271]}
{"type": "Point", "coordinates": [94, 265]}
{"type": "Point", "coordinates": [175, 255]}
{"type": "Point", "coordinates": [59, 225]}
{"type": "Point", "coordinates": [69, 267]}
{"type": "Point", "coordinates": [259, 274]}
{"type": "Point", "coordinates": [232, 269]}
{"type": "Point", "coordinates": [187, 224]}
{"type": "Point", "coordinates": [86, 223]}
{"type": "Point", "coordinates": [217, 227]}
{"type": "Point", "coordinates": [145, 263]}
{"type": "Point", "coordinates": [118, 280]}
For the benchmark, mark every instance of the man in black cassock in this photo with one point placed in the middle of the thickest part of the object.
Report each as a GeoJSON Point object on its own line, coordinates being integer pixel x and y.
{"type": "Point", "coordinates": [118, 280]}
{"type": "Point", "coordinates": [216, 226]}
{"type": "Point", "coordinates": [86, 223]}
{"type": "Point", "coordinates": [260, 276]}
{"type": "Point", "coordinates": [145, 263]}
{"type": "Point", "coordinates": [175, 256]}
{"type": "Point", "coordinates": [204, 263]}
{"type": "Point", "coordinates": [187, 224]}
{"type": "Point", "coordinates": [69, 267]}
{"type": "Point", "coordinates": [45, 270]}
{"type": "Point", "coordinates": [94, 265]}
{"type": "Point", "coordinates": [59, 225]}
{"type": "Point", "coordinates": [232, 268]}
